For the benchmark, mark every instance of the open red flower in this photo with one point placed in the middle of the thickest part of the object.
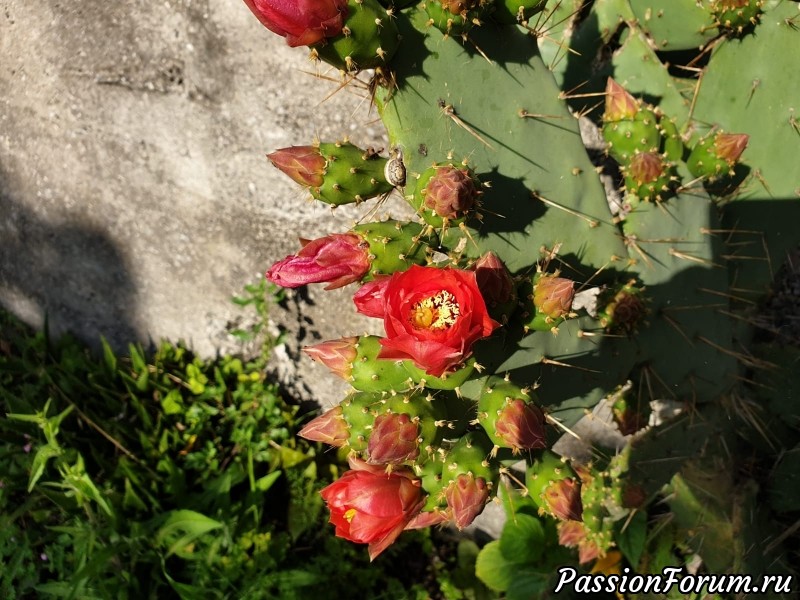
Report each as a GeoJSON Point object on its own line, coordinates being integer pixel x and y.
{"type": "Point", "coordinates": [431, 316]}
{"type": "Point", "coordinates": [301, 22]}
{"type": "Point", "coordinates": [370, 506]}
{"type": "Point", "coordinates": [337, 259]}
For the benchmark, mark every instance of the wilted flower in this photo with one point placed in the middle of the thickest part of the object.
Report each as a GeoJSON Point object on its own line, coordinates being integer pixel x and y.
{"type": "Point", "coordinates": [301, 22]}
{"type": "Point", "coordinates": [336, 259]}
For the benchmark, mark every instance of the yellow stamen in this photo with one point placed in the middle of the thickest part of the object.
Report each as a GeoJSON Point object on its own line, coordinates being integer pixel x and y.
{"type": "Point", "coordinates": [439, 311]}
{"type": "Point", "coordinates": [348, 515]}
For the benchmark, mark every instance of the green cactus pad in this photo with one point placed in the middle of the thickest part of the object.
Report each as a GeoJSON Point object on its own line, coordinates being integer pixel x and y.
{"type": "Point", "coordinates": [675, 24]}
{"type": "Point", "coordinates": [517, 11]}
{"type": "Point", "coordinates": [395, 246]}
{"type": "Point", "coordinates": [373, 374]}
{"type": "Point", "coordinates": [369, 40]}
{"type": "Point", "coordinates": [470, 454]}
{"type": "Point", "coordinates": [437, 114]}
{"type": "Point", "coordinates": [351, 175]}
{"type": "Point", "coordinates": [630, 136]}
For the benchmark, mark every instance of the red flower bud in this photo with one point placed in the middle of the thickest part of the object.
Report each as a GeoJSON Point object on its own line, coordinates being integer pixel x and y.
{"type": "Point", "coordinates": [337, 259]}
{"type": "Point", "coordinates": [521, 425]}
{"type": "Point", "coordinates": [493, 279]}
{"type": "Point", "coordinates": [563, 498]}
{"type": "Point", "coordinates": [393, 440]}
{"type": "Point", "coordinates": [304, 164]}
{"type": "Point", "coordinates": [337, 355]}
{"type": "Point", "coordinates": [729, 146]}
{"type": "Point", "coordinates": [370, 506]}
{"type": "Point", "coordinates": [451, 192]}
{"type": "Point", "coordinates": [571, 533]}
{"type": "Point", "coordinates": [646, 167]}
{"type": "Point", "coordinates": [328, 428]}
{"type": "Point", "coordinates": [466, 497]}
{"type": "Point", "coordinates": [301, 22]}
{"type": "Point", "coordinates": [553, 295]}
{"type": "Point", "coordinates": [620, 104]}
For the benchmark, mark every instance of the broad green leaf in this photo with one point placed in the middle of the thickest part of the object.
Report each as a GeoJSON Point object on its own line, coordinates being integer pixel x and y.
{"type": "Point", "coordinates": [631, 540]}
{"type": "Point", "coordinates": [187, 526]}
{"type": "Point", "coordinates": [522, 540]}
{"type": "Point", "coordinates": [493, 569]}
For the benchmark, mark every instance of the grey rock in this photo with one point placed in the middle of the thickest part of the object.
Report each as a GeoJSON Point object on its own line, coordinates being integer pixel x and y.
{"type": "Point", "coordinates": [135, 198]}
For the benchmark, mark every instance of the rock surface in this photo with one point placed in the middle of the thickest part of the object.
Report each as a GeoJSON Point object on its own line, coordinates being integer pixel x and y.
{"type": "Point", "coordinates": [135, 198]}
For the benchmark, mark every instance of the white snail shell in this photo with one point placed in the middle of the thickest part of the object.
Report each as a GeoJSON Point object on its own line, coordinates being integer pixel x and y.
{"type": "Point", "coordinates": [395, 171]}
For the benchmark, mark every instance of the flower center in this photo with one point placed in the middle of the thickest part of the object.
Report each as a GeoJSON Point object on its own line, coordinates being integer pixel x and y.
{"type": "Point", "coordinates": [349, 514]}
{"type": "Point", "coordinates": [439, 311]}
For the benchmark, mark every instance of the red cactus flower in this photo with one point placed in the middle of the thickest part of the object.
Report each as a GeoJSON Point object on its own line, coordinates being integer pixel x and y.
{"type": "Point", "coordinates": [451, 192]}
{"type": "Point", "coordinates": [301, 22]}
{"type": "Point", "coordinates": [431, 316]}
{"type": "Point", "coordinates": [553, 295]}
{"type": "Point", "coordinates": [466, 497]}
{"type": "Point", "coordinates": [337, 355]}
{"type": "Point", "coordinates": [393, 439]}
{"type": "Point", "coordinates": [370, 506]}
{"type": "Point", "coordinates": [563, 498]}
{"type": "Point", "coordinates": [521, 426]}
{"type": "Point", "coordinates": [620, 104]}
{"type": "Point", "coordinates": [369, 297]}
{"type": "Point", "coordinates": [336, 259]}
{"type": "Point", "coordinates": [493, 279]}
{"type": "Point", "coordinates": [328, 428]}
{"type": "Point", "coordinates": [304, 164]}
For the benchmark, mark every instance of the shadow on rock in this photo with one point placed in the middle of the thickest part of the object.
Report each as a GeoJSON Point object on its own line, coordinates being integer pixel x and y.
{"type": "Point", "coordinates": [69, 275]}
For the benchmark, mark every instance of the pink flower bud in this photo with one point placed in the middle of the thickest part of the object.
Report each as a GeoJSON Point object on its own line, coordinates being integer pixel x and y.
{"type": "Point", "coordinates": [304, 164]}
{"type": "Point", "coordinates": [620, 105]}
{"type": "Point", "coordinates": [729, 146]}
{"type": "Point", "coordinates": [337, 355]}
{"type": "Point", "coordinates": [553, 295]}
{"type": "Point", "coordinates": [393, 439]}
{"type": "Point", "coordinates": [328, 428]}
{"type": "Point", "coordinates": [466, 497]}
{"type": "Point", "coordinates": [451, 192]}
{"type": "Point", "coordinates": [563, 498]}
{"type": "Point", "coordinates": [521, 425]}
{"type": "Point", "coordinates": [301, 22]}
{"type": "Point", "coordinates": [646, 167]}
{"type": "Point", "coordinates": [337, 259]}
{"type": "Point", "coordinates": [493, 278]}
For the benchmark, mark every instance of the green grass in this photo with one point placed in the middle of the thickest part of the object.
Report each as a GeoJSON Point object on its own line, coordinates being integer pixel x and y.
{"type": "Point", "coordinates": [164, 475]}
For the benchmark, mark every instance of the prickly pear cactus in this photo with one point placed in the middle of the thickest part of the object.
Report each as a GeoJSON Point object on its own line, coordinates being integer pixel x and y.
{"type": "Point", "coordinates": [520, 301]}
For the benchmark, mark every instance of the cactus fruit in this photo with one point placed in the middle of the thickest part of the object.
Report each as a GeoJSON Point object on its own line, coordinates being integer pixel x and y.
{"type": "Point", "coordinates": [549, 302]}
{"type": "Point", "coordinates": [716, 155]}
{"type": "Point", "coordinates": [554, 487]}
{"type": "Point", "coordinates": [335, 173]}
{"type": "Point", "coordinates": [736, 15]}
{"type": "Point", "coordinates": [446, 194]}
{"type": "Point", "coordinates": [649, 177]}
{"type": "Point", "coordinates": [510, 417]}
{"type": "Point", "coordinates": [368, 39]}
